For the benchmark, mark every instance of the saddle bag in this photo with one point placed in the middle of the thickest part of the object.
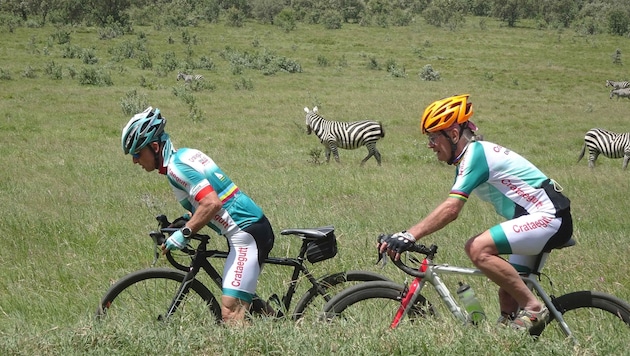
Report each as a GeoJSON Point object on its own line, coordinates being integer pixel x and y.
{"type": "Point", "coordinates": [322, 249]}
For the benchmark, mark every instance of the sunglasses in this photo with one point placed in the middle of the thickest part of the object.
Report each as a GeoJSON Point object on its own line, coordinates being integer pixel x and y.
{"type": "Point", "coordinates": [433, 138]}
{"type": "Point", "coordinates": [136, 155]}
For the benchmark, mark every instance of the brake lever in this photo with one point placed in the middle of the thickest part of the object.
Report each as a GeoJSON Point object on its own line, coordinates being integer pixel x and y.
{"type": "Point", "coordinates": [382, 256]}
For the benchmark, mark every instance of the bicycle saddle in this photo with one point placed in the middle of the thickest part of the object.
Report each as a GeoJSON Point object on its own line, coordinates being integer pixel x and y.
{"type": "Point", "coordinates": [311, 234]}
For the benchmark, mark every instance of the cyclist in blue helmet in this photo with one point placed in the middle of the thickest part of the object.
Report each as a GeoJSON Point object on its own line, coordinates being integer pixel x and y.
{"type": "Point", "coordinates": [213, 200]}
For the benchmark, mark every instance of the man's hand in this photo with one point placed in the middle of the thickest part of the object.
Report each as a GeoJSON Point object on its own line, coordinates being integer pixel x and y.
{"type": "Point", "coordinates": [176, 241]}
{"type": "Point", "coordinates": [396, 243]}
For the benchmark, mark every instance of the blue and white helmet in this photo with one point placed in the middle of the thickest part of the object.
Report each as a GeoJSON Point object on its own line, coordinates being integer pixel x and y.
{"type": "Point", "coordinates": [142, 129]}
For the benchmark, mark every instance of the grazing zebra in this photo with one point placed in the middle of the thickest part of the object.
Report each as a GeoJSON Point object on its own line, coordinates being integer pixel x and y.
{"type": "Point", "coordinates": [347, 135]}
{"type": "Point", "coordinates": [188, 77]}
{"type": "Point", "coordinates": [617, 85]}
{"type": "Point", "coordinates": [608, 143]}
{"type": "Point", "coordinates": [621, 93]}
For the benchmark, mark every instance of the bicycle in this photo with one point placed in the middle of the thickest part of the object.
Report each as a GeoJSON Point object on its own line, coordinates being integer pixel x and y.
{"type": "Point", "coordinates": [580, 315]}
{"type": "Point", "coordinates": [157, 293]}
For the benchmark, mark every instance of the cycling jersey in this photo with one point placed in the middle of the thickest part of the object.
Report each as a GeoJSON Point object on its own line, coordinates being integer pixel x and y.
{"type": "Point", "coordinates": [193, 175]}
{"type": "Point", "coordinates": [538, 214]}
{"type": "Point", "coordinates": [505, 179]}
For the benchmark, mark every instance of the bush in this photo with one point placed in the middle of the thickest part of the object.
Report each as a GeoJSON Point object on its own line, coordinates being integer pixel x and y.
{"type": "Point", "coordinates": [234, 17]}
{"type": "Point", "coordinates": [53, 70]}
{"type": "Point", "coordinates": [61, 35]}
{"type": "Point", "coordinates": [401, 17]}
{"type": "Point", "coordinates": [427, 73]}
{"type": "Point", "coordinates": [5, 74]}
{"type": "Point", "coordinates": [92, 76]}
{"type": "Point", "coordinates": [331, 20]}
{"type": "Point", "coordinates": [88, 56]}
{"type": "Point", "coordinates": [394, 70]}
{"type": "Point", "coordinates": [29, 72]}
{"type": "Point", "coordinates": [133, 103]}
{"type": "Point", "coordinates": [286, 19]}
{"type": "Point", "coordinates": [618, 22]}
{"type": "Point", "coordinates": [144, 60]}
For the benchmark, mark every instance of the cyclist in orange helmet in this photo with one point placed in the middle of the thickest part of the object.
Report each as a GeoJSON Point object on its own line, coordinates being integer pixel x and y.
{"type": "Point", "coordinates": [537, 214]}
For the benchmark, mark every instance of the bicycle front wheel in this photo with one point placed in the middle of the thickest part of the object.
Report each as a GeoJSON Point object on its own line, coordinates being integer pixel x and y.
{"type": "Point", "coordinates": [596, 319]}
{"type": "Point", "coordinates": [146, 295]}
{"type": "Point", "coordinates": [373, 303]}
{"type": "Point", "coordinates": [315, 300]}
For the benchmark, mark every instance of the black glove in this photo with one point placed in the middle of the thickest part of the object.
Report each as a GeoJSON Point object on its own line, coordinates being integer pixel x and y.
{"type": "Point", "coordinates": [400, 241]}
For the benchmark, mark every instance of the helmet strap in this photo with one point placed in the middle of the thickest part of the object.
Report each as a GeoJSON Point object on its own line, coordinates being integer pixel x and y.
{"type": "Point", "coordinates": [453, 148]}
{"type": "Point", "coordinates": [157, 156]}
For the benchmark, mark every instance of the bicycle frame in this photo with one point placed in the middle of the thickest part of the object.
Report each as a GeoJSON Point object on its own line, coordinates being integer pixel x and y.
{"type": "Point", "coordinates": [429, 272]}
{"type": "Point", "coordinates": [201, 261]}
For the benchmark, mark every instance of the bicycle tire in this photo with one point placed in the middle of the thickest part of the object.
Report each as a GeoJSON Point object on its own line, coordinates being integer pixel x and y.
{"type": "Point", "coordinates": [373, 303]}
{"type": "Point", "coordinates": [330, 284]}
{"type": "Point", "coordinates": [593, 317]}
{"type": "Point", "coordinates": [146, 295]}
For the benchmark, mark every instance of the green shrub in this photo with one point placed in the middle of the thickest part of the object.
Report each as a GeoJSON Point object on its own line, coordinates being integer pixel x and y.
{"type": "Point", "coordinates": [53, 70]}
{"type": "Point", "coordinates": [429, 74]}
{"type": "Point", "coordinates": [133, 102]}
{"type": "Point", "coordinates": [286, 19]}
{"type": "Point", "coordinates": [93, 76]}
{"type": "Point", "coordinates": [332, 20]}
{"type": "Point", "coordinates": [29, 72]}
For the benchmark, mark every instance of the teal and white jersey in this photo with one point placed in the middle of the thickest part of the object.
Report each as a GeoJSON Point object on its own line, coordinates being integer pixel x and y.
{"type": "Point", "coordinates": [503, 178]}
{"type": "Point", "coordinates": [193, 175]}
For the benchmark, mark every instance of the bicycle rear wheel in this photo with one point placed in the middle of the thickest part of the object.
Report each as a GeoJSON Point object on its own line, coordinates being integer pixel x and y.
{"type": "Point", "coordinates": [314, 301]}
{"type": "Point", "coordinates": [373, 303]}
{"type": "Point", "coordinates": [596, 319]}
{"type": "Point", "coordinates": [146, 295]}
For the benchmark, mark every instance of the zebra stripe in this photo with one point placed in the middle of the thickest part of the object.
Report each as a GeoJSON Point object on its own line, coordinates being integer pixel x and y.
{"type": "Point", "coordinates": [608, 143]}
{"type": "Point", "coordinates": [617, 85]}
{"type": "Point", "coordinates": [621, 93]}
{"type": "Point", "coordinates": [346, 135]}
{"type": "Point", "coordinates": [189, 77]}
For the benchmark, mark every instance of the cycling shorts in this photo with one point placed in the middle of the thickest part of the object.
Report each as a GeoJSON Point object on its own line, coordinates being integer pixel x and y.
{"type": "Point", "coordinates": [249, 247]}
{"type": "Point", "coordinates": [526, 237]}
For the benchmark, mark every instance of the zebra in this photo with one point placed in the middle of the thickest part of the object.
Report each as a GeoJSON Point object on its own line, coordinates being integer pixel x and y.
{"type": "Point", "coordinates": [608, 143]}
{"type": "Point", "coordinates": [617, 85]}
{"type": "Point", "coordinates": [347, 135]}
{"type": "Point", "coordinates": [621, 93]}
{"type": "Point", "coordinates": [188, 78]}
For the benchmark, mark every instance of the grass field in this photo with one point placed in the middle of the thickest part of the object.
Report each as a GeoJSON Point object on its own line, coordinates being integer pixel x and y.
{"type": "Point", "coordinates": [76, 211]}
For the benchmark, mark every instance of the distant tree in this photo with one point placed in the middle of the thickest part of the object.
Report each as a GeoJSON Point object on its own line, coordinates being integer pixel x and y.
{"type": "Point", "coordinates": [107, 12]}
{"type": "Point", "coordinates": [507, 11]}
{"type": "Point", "coordinates": [618, 22]}
{"type": "Point", "coordinates": [446, 12]}
{"type": "Point", "coordinates": [562, 12]}
{"type": "Point", "coordinates": [286, 19]}
{"type": "Point", "coordinates": [265, 10]}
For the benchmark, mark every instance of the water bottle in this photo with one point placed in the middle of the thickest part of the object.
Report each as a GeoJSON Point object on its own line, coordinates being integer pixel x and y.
{"type": "Point", "coordinates": [471, 304]}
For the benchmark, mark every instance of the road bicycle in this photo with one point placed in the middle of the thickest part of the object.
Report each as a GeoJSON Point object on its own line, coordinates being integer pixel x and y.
{"type": "Point", "coordinates": [158, 293]}
{"type": "Point", "coordinates": [582, 316]}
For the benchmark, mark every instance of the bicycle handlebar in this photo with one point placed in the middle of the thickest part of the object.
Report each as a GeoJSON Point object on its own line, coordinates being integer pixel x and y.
{"type": "Point", "coordinates": [429, 252]}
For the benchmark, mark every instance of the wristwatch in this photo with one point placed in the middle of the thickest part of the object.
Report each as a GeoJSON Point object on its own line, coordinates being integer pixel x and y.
{"type": "Point", "coordinates": [187, 232]}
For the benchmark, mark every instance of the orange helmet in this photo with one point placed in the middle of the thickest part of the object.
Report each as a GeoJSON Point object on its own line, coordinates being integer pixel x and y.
{"type": "Point", "coordinates": [443, 113]}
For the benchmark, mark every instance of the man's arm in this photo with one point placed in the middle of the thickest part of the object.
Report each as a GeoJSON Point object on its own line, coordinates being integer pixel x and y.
{"type": "Point", "coordinates": [441, 216]}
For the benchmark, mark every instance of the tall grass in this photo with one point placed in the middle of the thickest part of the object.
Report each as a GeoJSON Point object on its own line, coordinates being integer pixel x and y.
{"type": "Point", "coordinates": [76, 212]}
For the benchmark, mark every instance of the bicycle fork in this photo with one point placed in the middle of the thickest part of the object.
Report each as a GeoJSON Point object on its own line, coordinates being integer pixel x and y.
{"type": "Point", "coordinates": [182, 291]}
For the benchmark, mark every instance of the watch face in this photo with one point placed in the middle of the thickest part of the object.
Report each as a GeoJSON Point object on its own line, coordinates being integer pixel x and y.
{"type": "Point", "coordinates": [186, 232]}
